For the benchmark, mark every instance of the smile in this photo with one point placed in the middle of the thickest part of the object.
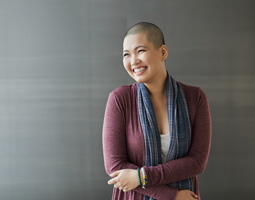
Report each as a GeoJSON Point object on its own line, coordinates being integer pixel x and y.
{"type": "Point", "coordinates": [139, 69]}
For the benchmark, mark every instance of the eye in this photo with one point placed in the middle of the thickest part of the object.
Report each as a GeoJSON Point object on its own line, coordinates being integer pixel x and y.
{"type": "Point", "coordinates": [125, 54]}
{"type": "Point", "coordinates": [141, 50]}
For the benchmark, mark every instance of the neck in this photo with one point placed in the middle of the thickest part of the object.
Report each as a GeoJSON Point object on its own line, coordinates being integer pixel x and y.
{"type": "Point", "coordinates": [158, 88]}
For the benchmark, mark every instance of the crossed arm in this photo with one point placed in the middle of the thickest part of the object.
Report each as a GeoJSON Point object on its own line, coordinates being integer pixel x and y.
{"type": "Point", "coordinates": [158, 176]}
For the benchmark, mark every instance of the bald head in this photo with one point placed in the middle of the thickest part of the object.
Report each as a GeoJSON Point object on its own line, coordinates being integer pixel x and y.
{"type": "Point", "coordinates": [153, 32]}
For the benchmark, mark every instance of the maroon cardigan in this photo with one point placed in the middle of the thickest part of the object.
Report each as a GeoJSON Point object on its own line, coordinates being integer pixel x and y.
{"type": "Point", "coordinates": [124, 147]}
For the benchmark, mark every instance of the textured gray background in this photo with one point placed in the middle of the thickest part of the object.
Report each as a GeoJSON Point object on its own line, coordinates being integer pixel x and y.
{"type": "Point", "coordinates": [59, 59]}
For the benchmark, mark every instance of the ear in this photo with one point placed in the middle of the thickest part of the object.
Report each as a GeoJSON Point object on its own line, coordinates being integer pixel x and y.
{"type": "Point", "coordinates": [164, 52]}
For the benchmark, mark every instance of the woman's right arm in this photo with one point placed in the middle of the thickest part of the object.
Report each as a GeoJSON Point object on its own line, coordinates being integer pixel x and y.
{"type": "Point", "coordinates": [115, 152]}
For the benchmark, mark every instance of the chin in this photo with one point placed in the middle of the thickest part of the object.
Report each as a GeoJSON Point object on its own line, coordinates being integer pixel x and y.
{"type": "Point", "coordinates": [140, 80]}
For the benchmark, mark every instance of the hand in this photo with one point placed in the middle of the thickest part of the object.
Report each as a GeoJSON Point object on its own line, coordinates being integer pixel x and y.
{"type": "Point", "coordinates": [186, 195]}
{"type": "Point", "coordinates": [125, 179]}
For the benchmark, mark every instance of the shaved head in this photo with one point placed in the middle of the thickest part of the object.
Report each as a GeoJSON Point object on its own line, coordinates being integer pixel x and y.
{"type": "Point", "coordinates": [153, 32]}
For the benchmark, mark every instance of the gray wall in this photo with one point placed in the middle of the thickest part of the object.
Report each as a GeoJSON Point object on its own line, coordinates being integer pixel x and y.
{"type": "Point", "coordinates": [59, 59]}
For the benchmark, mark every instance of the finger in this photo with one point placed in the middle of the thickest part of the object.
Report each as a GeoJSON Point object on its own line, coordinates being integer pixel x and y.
{"type": "Point", "coordinates": [117, 185]}
{"type": "Point", "coordinates": [194, 195]}
{"type": "Point", "coordinates": [112, 181]}
{"type": "Point", "coordinates": [114, 174]}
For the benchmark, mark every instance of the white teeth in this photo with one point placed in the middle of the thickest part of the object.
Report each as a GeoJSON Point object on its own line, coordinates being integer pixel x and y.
{"type": "Point", "coordinates": [139, 69]}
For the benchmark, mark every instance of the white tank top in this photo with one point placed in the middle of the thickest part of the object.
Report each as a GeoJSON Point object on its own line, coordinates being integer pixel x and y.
{"type": "Point", "coordinates": [165, 142]}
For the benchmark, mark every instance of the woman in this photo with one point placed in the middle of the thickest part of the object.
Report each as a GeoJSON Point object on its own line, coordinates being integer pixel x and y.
{"type": "Point", "coordinates": [156, 132]}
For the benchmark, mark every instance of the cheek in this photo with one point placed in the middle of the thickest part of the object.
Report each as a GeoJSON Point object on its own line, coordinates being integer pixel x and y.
{"type": "Point", "coordinates": [153, 60]}
{"type": "Point", "coordinates": [126, 64]}
{"type": "Point", "coordinates": [147, 58]}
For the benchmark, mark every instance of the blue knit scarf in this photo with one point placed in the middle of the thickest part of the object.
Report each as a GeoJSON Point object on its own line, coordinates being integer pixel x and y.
{"type": "Point", "coordinates": [179, 128]}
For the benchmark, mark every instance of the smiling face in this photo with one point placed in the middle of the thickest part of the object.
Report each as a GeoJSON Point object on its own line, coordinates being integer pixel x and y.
{"type": "Point", "coordinates": [143, 61]}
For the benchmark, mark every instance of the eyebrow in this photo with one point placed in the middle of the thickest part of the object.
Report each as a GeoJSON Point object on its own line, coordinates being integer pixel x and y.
{"type": "Point", "coordinates": [136, 48]}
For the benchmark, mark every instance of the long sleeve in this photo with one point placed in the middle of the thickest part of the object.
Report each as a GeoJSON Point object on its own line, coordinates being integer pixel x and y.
{"type": "Point", "coordinates": [195, 162]}
{"type": "Point", "coordinates": [115, 148]}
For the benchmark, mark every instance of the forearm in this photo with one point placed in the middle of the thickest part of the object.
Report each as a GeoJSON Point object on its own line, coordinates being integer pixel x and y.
{"type": "Point", "coordinates": [159, 192]}
{"type": "Point", "coordinates": [173, 171]}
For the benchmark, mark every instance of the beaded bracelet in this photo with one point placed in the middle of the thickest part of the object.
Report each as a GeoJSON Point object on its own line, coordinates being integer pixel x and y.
{"type": "Point", "coordinates": [144, 182]}
{"type": "Point", "coordinates": [138, 171]}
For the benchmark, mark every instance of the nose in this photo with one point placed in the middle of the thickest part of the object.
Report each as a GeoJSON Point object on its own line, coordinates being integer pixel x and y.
{"type": "Point", "coordinates": [134, 60]}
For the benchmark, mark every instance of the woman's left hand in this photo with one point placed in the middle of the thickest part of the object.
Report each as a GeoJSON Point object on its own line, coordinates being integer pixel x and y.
{"type": "Point", "coordinates": [125, 179]}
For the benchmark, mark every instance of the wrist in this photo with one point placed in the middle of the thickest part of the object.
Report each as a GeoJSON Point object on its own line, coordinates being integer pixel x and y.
{"type": "Point", "coordinates": [143, 178]}
{"type": "Point", "coordinates": [139, 176]}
